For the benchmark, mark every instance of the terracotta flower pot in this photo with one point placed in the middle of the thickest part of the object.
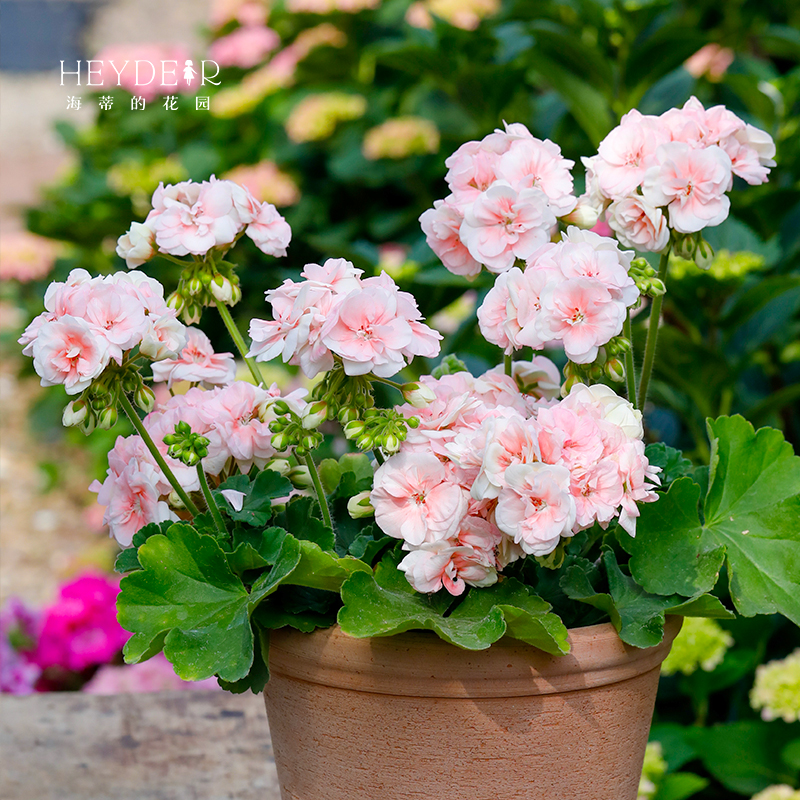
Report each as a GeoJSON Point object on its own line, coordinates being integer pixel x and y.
{"type": "Point", "coordinates": [411, 717]}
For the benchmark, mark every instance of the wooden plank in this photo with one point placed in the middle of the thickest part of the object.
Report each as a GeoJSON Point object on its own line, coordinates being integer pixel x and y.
{"type": "Point", "coordinates": [194, 745]}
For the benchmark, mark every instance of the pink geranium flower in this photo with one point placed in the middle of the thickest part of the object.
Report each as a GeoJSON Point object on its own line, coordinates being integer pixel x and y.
{"type": "Point", "coordinates": [442, 564]}
{"type": "Point", "coordinates": [441, 225]}
{"type": "Point", "coordinates": [197, 363]}
{"type": "Point", "coordinates": [637, 224]}
{"type": "Point", "coordinates": [503, 225]}
{"type": "Point", "coordinates": [414, 501]}
{"type": "Point", "coordinates": [691, 183]}
{"type": "Point", "coordinates": [270, 231]}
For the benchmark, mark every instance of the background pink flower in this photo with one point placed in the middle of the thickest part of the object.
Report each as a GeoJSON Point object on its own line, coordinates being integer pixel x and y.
{"type": "Point", "coordinates": [245, 47]}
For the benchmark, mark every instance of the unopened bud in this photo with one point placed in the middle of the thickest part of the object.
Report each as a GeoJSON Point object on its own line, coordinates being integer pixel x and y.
{"type": "Point", "coordinates": [278, 424]}
{"type": "Point", "coordinates": [657, 287]}
{"type": "Point", "coordinates": [280, 441]}
{"type": "Point", "coordinates": [236, 295]}
{"type": "Point", "coordinates": [89, 424]}
{"type": "Point", "coordinates": [174, 499]}
{"type": "Point", "coordinates": [145, 399]}
{"type": "Point", "coordinates": [107, 418]}
{"type": "Point", "coordinates": [300, 477]}
{"type": "Point", "coordinates": [279, 465]}
{"type": "Point", "coordinates": [584, 215]}
{"type": "Point", "coordinates": [413, 422]}
{"type": "Point", "coordinates": [222, 289]}
{"type": "Point", "coordinates": [354, 429]}
{"type": "Point", "coordinates": [347, 414]}
{"type": "Point", "coordinates": [281, 407]}
{"type": "Point", "coordinates": [315, 414]}
{"type": "Point", "coordinates": [74, 413]}
{"type": "Point", "coordinates": [192, 313]}
{"type": "Point", "coordinates": [391, 443]}
{"type": "Point", "coordinates": [615, 370]}
{"type": "Point", "coordinates": [310, 441]}
{"type": "Point", "coordinates": [571, 381]}
{"type": "Point", "coordinates": [194, 286]}
{"type": "Point", "coordinates": [365, 442]}
{"type": "Point", "coordinates": [418, 394]}
{"type": "Point", "coordinates": [359, 506]}
{"type": "Point", "coordinates": [175, 301]}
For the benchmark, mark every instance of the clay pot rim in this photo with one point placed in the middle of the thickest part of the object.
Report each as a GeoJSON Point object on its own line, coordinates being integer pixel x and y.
{"type": "Point", "coordinates": [420, 664]}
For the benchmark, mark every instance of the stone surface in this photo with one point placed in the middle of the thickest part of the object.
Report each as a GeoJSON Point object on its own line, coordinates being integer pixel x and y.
{"type": "Point", "coordinates": [194, 745]}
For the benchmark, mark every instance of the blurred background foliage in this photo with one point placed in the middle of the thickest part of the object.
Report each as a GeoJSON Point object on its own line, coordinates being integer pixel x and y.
{"type": "Point", "coordinates": [345, 126]}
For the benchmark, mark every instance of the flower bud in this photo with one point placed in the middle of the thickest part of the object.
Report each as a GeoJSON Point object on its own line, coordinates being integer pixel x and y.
{"type": "Point", "coordinates": [615, 370]}
{"type": "Point", "coordinates": [278, 424]}
{"type": "Point", "coordinates": [174, 499]}
{"type": "Point", "coordinates": [359, 506]}
{"type": "Point", "coordinates": [703, 254]}
{"type": "Point", "coordinates": [315, 414]}
{"type": "Point", "coordinates": [584, 215]}
{"type": "Point", "coordinates": [107, 418]}
{"type": "Point", "coordinates": [413, 422]}
{"type": "Point", "coordinates": [365, 442]}
{"type": "Point", "coordinates": [74, 413]}
{"type": "Point", "coordinates": [89, 424]}
{"type": "Point", "coordinates": [310, 441]}
{"type": "Point", "coordinates": [281, 407]}
{"type": "Point", "coordinates": [194, 285]}
{"type": "Point", "coordinates": [145, 399]}
{"type": "Point", "coordinates": [222, 289]}
{"type": "Point", "coordinates": [192, 313]}
{"type": "Point", "coordinates": [236, 295]}
{"type": "Point", "coordinates": [190, 458]}
{"type": "Point", "coordinates": [300, 477]}
{"type": "Point", "coordinates": [354, 429]}
{"type": "Point", "coordinates": [279, 465]}
{"type": "Point", "coordinates": [391, 443]}
{"type": "Point", "coordinates": [280, 441]}
{"type": "Point", "coordinates": [175, 301]}
{"type": "Point", "coordinates": [571, 381]}
{"type": "Point", "coordinates": [347, 414]}
{"type": "Point", "coordinates": [657, 287]}
{"type": "Point", "coordinates": [418, 394]}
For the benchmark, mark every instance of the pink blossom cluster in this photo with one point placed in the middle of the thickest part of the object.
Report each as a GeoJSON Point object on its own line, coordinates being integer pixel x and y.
{"type": "Point", "coordinates": [245, 47]}
{"type": "Point", "coordinates": [193, 218]}
{"type": "Point", "coordinates": [197, 363]}
{"type": "Point", "coordinates": [575, 292]}
{"type": "Point", "coordinates": [507, 192]}
{"type": "Point", "coordinates": [235, 419]}
{"type": "Point", "coordinates": [366, 323]}
{"type": "Point", "coordinates": [25, 257]}
{"type": "Point", "coordinates": [656, 174]}
{"type": "Point", "coordinates": [492, 475]}
{"type": "Point", "coordinates": [89, 322]}
{"type": "Point", "coordinates": [80, 629]}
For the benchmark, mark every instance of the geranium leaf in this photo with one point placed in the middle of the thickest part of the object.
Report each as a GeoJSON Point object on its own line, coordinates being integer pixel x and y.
{"type": "Point", "coordinates": [637, 615]}
{"type": "Point", "coordinates": [673, 464]}
{"type": "Point", "coordinates": [386, 604]}
{"type": "Point", "coordinates": [318, 569]}
{"type": "Point", "coordinates": [751, 514]}
{"type": "Point", "coordinates": [256, 507]}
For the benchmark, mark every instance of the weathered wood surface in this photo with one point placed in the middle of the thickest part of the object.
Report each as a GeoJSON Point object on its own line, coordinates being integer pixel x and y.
{"type": "Point", "coordinates": [169, 746]}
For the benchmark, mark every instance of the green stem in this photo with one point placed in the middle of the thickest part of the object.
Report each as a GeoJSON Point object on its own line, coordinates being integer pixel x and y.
{"type": "Point", "coordinates": [378, 456]}
{"type": "Point", "coordinates": [386, 382]}
{"type": "Point", "coordinates": [323, 502]}
{"type": "Point", "coordinates": [209, 498]}
{"type": "Point", "coordinates": [238, 340]}
{"type": "Point", "coordinates": [173, 259]}
{"type": "Point", "coordinates": [652, 333]}
{"type": "Point", "coordinates": [128, 408]}
{"type": "Point", "coordinates": [630, 373]}
{"type": "Point", "coordinates": [508, 362]}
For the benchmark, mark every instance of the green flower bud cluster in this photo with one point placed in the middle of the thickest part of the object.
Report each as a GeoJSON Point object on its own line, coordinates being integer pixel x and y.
{"type": "Point", "coordinates": [384, 428]}
{"type": "Point", "coordinates": [202, 284]}
{"type": "Point", "coordinates": [97, 406]}
{"type": "Point", "coordinates": [345, 396]}
{"type": "Point", "coordinates": [608, 364]}
{"type": "Point", "coordinates": [449, 366]}
{"type": "Point", "coordinates": [693, 247]}
{"type": "Point", "coordinates": [646, 278]}
{"type": "Point", "coordinates": [701, 643]}
{"type": "Point", "coordinates": [185, 446]}
{"type": "Point", "coordinates": [289, 431]}
{"type": "Point", "coordinates": [776, 692]}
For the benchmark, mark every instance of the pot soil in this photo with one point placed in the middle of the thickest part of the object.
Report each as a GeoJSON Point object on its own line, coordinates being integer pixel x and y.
{"type": "Point", "coordinates": [410, 717]}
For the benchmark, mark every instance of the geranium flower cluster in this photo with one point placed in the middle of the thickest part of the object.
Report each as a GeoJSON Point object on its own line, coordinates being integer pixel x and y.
{"type": "Point", "coordinates": [575, 291]}
{"type": "Point", "coordinates": [368, 324]}
{"type": "Point", "coordinates": [193, 218]}
{"type": "Point", "coordinates": [656, 174]}
{"type": "Point", "coordinates": [491, 475]}
{"type": "Point", "coordinates": [90, 322]}
{"type": "Point", "coordinates": [235, 419]}
{"type": "Point", "coordinates": [507, 192]}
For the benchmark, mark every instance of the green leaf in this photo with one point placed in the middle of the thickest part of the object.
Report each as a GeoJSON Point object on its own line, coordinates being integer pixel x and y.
{"type": "Point", "coordinates": [369, 543]}
{"type": "Point", "coordinates": [285, 564]}
{"type": "Point", "coordinates": [385, 604]}
{"type": "Point", "coordinates": [257, 504]}
{"type": "Point", "coordinates": [127, 560]}
{"type": "Point", "coordinates": [142, 646]}
{"type": "Point", "coordinates": [751, 513]}
{"type": "Point", "coordinates": [745, 756]}
{"type": "Point", "coordinates": [185, 587]}
{"type": "Point", "coordinates": [673, 464]}
{"type": "Point", "coordinates": [257, 678]}
{"type": "Point", "coordinates": [255, 549]}
{"type": "Point", "coordinates": [680, 786]}
{"type": "Point", "coordinates": [637, 615]}
{"type": "Point", "coordinates": [318, 569]}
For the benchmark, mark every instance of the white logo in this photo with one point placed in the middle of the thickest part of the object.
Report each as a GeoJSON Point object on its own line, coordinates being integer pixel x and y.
{"type": "Point", "coordinates": [145, 72]}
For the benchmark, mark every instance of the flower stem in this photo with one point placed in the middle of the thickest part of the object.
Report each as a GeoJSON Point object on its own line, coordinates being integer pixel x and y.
{"type": "Point", "coordinates": [630, 374]}
{"type": "Point", "coordinates": [652, 333]}
{"type": "Point", "coordinates": [128, 408]}
{"type": "Point", "coordinates": [239, 342]}
{"type": "Point", "coordinates": [508, 361]}
{"type": "Point", "coordinates": [386, 382]}
{"type": "Point", "coordinates": [209, 498]}
{"type": "Point", "coordinates": [323, 502]}
{"type": "Point", "coordinates": [376, 451]}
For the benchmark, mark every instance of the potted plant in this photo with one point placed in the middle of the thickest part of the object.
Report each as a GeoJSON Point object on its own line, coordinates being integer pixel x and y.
{"type": "Point", "coordinates": [516, 515]}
